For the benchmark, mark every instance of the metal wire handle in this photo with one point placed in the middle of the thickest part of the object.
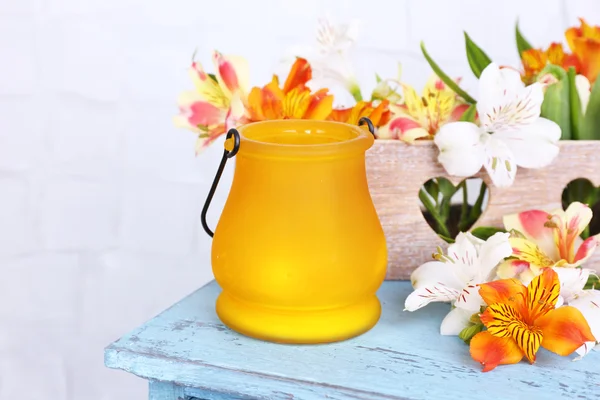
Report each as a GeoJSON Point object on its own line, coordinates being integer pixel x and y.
{"type": "Point", "coordinates": [226, 155]}
{"type": "Point", "coordinates": [365, 120]}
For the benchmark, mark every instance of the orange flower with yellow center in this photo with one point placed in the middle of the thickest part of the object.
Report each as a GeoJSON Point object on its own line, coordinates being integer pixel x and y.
{"type": "Point", "coordinates": [535, 60]}
{"type": "Point", "coordinates": [378, 114]}
{"type": "Point", "coordinates": [520, 319]}
{"type": "Point", "coordinates": [585, 44]}
{"type": "Point", "coordinates": [293, 101]}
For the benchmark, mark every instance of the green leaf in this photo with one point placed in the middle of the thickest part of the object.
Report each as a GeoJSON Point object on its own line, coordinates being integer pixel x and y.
{"type": "Point", "coordinates": [469, 114]}
{"type": "Point", "coordinates": [590, 126]}
{"type": "Point", "coordinates": [575, 105]}
{"type": "Point", "coordinates": [446, 239]}
{"type": "Point", "coordinates": [478, 60]}
{"type": "Point", "coordinates": [467, 334]}
{"type": "Point", "coordinates": [592, 282]}
{"type": "Point", "coordinates": [377, 78]}
{"type": "Point", "coordinates": [463, 223]}
{"type": "Point", "coordinates": [446, 187]}
{"type": "Point", "coordinates": [522, 43]}
{"type": "Point", "coordinates": [445, 78]}
{"type": "Point", "coordinates": [430, 207]}
{"type": "Point", "coordinates": [448, 190]}
{"type": "Point", "coordinates": [485, 232]}
{"type": "Point", "coordinates": [556, 101]}
{"type": "Point", "coordinates": [431, 186]}
{"type": "Point", "coordinates": [213, 77]}
{"type": "Point", "coordinates": [581, 190]}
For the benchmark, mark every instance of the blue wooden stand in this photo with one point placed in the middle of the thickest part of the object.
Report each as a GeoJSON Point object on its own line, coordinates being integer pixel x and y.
{"type": "Point", "coordinates": [187, 354]}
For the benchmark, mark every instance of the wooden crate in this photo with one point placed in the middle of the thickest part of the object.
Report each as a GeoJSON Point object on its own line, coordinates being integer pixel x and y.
{"type": "Point", "coordinates": [396, 171]}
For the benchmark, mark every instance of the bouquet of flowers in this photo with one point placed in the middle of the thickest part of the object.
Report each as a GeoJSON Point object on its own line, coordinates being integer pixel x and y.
{"type": "Point", "coordinates": [518, 290]}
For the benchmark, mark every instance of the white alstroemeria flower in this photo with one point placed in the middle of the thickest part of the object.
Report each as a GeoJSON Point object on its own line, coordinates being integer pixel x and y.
{"type": "Point", "coordinates": [572, 282]}
{"type": "Point", "coordinates": [329, 57]}
{"type": "Point", "coordinates": [511, 133]}
{"type": "Point", "coordinates": [454, 278]}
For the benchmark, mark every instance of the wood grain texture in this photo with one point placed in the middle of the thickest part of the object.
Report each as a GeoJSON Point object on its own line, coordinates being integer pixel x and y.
{"type": "Point", "coordinates": [403, 357]}
{"type": "Point", "coordinates": [396, 171]}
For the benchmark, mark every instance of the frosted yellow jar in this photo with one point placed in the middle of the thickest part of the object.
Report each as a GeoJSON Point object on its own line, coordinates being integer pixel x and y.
{"type": "Point", "coordinates": [299, 250]}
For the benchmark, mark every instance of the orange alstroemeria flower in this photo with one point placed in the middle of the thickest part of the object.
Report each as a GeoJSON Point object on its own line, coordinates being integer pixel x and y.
{"type": "Point", "coordinates": [378, 114]}
{"type": "Point", "coordinates": [585, 44]}
{"type": "Point", "coordinates": [293, 101]}
{"type": "Point", "coordinates": [520, 319]}
{"type": "Point", "coordinates": [535, 60]}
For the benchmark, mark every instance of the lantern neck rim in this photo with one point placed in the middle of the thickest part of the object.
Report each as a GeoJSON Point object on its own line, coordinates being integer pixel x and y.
{"type": "Point", "coordinates": [303, 137]}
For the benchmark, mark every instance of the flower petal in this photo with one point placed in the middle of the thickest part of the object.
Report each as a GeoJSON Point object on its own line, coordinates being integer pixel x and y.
{"type": "Point", "coordinates": [340, 114]}
{"type": "Point", "coordinates": [572, 281]}
{"type": "Point", "coordinates": [425, 295]}
{"type": "Point", "coordinates": [461, 151]}
{"type": "Point", "coordinates": [197, 113]}
{"type": "Point", "coordinates": [320, 107]}
{"type": "Point", "coordinates": [534, 145]}
{"type": "Point", "coordinates": [578, 217]}
{"type": "Point", "coordinates": [233, 73]}
{"type": "Point", "coordinates": [584, 350]}
{"type": "Point", "coordinates": [455, 321]}
{"type": "Point", "coordinates": [588, 51]}
{"type": "Point", "coordinates": [469, 299]}
{"type": "Point", "coordinates": [208, 89]}
{"type": "Point", "coordinates": [504, 320]}
{"type": "Point", "coordinates": [266, 103]}
{"type": "Point", "coordinates": [565, 329]}
{"type": "Point", "coordinates": [413, 103]}
{"type": "Point", "coordinates": [530, 252]}
{"type": "Point", "coordinates": [492, 252]}
{"type": "Point", "coordinates": [515, 269]}
{"type": "Point", "coordinates": [492, 351]}
{"type": "Point", "coordinates": [568, 226]}
{"type": "Point", "coordinates": [588, 302]}
{"type": "Point", "coordinates": [499, 162]}
{"type": "Point", "coordinates": [532, 225]}
{"type": "Point", "coordinates": [585, 251]}
{"type": "Point", "coordinates": [543, 293]}
{"type": "Point", "coordinates": [434, 272]}
{"type": "Point", "coordinates": [406, 129]}
{"type": "Point", "coordinates": [300, 73]}
{"type": "Point", "coordinates": [496, 85]}
{"type": "Point", "coordinates": [296, 103]}
{"type": "Point", "coordinates": [582, 84]}
{"type": "Point", "coordinates": [503, 101]}
{"type": "Point", "coordinates": [509, 291]}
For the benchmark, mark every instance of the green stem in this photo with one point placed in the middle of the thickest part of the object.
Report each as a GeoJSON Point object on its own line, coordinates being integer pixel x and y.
{"type": "Point", "coordinates": [432, 210]}
{"type": "Point", "coordinates": [464, 209]}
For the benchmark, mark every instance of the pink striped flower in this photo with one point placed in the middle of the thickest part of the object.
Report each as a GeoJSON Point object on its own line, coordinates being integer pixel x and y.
{"type": "Point", "coordinates": [420, 117]}
{"type": "Point", "coordinates": [548, 240]}
{"type": "Point", "coordinates": [218, 102]}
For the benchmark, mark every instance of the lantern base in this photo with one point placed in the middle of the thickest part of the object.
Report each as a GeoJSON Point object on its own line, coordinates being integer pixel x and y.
{"type": "Point", "coordinates": [298, 326]}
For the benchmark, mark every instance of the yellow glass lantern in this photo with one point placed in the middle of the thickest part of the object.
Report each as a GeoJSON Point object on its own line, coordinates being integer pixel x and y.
{"type": "Point", "coordinates": [299, 250]}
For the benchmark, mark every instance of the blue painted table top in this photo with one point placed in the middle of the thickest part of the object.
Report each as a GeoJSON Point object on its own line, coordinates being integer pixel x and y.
{"type": "Point", "coordinates": [403, 357]}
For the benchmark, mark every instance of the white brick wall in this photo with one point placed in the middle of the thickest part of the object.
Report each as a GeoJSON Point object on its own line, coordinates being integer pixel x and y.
{"type": "Point", "coordinates": [100, 195]}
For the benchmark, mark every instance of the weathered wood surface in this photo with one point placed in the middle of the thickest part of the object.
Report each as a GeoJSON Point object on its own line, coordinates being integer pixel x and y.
{"type": "Point", "coordinates": [396, 171]}
{"type": "Point", "coordinates": [403, 357]}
